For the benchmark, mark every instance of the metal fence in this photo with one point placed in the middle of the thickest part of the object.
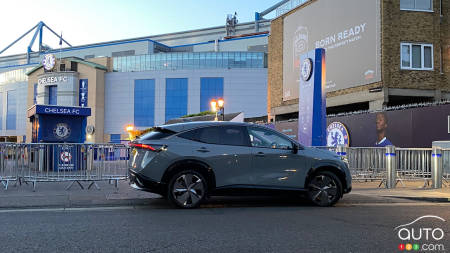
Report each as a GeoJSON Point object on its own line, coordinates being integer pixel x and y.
{"type": "Point", "coordinates": [72, 163]}
{"type": "Point", "coordinates": [77, 163]}
{"type": "Point", "coordinates": [412, 164]}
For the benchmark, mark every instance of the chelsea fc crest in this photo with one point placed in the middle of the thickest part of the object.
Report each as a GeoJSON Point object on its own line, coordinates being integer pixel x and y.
{"type": "Point", "coordinates": [337, 134]}
{"type": "Point", "coordinates": [61, 131]}
{"type": "Point", "coordinates": [306, 70]}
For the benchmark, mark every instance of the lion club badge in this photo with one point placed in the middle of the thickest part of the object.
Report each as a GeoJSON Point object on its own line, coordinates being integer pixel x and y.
{"type": "Point", "coordinates": [337, 134]}
{"type": "Point", "coordinates": [61, 131]}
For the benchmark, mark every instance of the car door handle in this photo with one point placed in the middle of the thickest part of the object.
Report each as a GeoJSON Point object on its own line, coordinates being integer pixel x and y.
{"type": "Point", "coordinates": [203, 150]}
{"type": "Point", "coordinates": [260, 154]}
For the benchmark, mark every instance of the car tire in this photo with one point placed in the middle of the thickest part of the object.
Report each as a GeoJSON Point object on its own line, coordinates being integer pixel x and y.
{"type": "Point", "coordinates": [324, 189]}
{"type": "Point", "coordinates": [187, 189]}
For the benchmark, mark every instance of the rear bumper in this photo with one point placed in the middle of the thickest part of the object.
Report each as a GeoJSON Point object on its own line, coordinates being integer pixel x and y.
{"type": "Point", "coordinates": [143, 183]}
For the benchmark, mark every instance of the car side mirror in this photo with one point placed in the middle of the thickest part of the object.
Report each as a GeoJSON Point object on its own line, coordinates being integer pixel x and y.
{"type": "Point", "coordinates": [295, 148]}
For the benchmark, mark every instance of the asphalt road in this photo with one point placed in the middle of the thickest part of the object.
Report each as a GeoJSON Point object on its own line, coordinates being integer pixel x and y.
{"type": "Point", "coordinates": [356, 224]}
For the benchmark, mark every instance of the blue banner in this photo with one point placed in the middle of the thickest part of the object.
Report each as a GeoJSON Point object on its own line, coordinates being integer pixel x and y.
{"type": "Point", "coordinates": [83, 94]}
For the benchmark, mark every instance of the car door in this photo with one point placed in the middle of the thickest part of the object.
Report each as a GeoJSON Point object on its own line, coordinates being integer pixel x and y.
{"type": "Point", "coordinates": [274, 161]}
{"type": "Point", "coordinates": [226, 149]}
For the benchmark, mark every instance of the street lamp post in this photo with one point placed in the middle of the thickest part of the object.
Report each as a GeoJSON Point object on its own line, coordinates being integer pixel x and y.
{"type": "Point", "coordinates": [216, 106]}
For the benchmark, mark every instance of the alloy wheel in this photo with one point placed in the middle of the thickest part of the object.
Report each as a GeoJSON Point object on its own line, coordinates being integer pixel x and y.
{"type": "Point", "coordinates": [323, 190]}
{"type": "Point", "coordinates": [188, 190]}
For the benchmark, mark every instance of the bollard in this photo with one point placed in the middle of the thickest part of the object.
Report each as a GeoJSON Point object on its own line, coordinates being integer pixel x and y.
{"type": "Point", "coordinates": [391, 167]}
{"type": "Point", "coordinates": [341, 150]}
{"type": "Point", "coordinates": [436, 167]}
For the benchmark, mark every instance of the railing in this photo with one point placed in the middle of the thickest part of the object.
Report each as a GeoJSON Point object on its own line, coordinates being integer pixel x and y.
{"type": "Point", "coordinates": [72, 163]}
{"type": "Point", "coordinates": [77, 163]}
{"type": "Point", "coordinates": [411, 164]}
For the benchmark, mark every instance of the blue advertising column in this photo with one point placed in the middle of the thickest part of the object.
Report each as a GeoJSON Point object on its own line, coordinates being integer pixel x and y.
{"type": "Point", "coordinates": [312, 99]}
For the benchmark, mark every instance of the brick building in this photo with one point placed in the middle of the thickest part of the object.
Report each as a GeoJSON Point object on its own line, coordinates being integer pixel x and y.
{"type": "Point", "coordinates": [407, 43]}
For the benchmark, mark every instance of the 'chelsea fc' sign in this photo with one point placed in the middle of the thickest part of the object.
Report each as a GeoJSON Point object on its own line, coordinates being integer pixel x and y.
{"type": "Point", "coordinates": [337, 134]}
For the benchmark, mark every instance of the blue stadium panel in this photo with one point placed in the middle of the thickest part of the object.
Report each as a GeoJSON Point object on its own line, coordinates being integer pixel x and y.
{"type": "Point", "coordinates": [144, 103]}
{"type": "Point", "coordinates": [11, 110]}
{"type": "Point", "coordinates": [52, 95]}
{"type": "Point", "coordinates": [176, 97]}
{"type": "Point", "coordinates": [210, 88]}
{"type": "Point", "coordinates": [115, 138]}
{"type": "Point", "coordinates": [35, 94]}
{"type": "Point", "coordinates": [1, 110]}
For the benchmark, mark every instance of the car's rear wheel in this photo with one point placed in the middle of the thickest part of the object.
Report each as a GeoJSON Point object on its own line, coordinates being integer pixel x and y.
{"type": "Point", "coordinates": [187, 189]}
{"type": "Point", "coordinates": [324, 189]}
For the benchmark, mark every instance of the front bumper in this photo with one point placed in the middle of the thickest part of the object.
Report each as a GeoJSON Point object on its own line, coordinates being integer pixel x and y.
{"type": "Point", "coordinates": [143, 183]}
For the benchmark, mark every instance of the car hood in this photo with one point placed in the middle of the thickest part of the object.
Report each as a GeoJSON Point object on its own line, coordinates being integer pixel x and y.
{"type": "Point", "coordinates": [322, 153]}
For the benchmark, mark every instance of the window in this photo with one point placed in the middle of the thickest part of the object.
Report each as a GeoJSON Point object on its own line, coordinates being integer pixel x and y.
{"type": "Point", "coordinates": [1, 110]}
{"type": "Point", "coordinates": [265, 138]}
{"type": "Point", "coordinates": [115, 138]}
{"type": "Point", "coordinates": [176, 97]}
{"type": "Point", "coordinates": [73, 66]}
{"type": "Point", "coordinates": [227, 135]}
{"type": "Point", "coordinates": [11, 109]}
{"type": "Point", "coordinates": [416, 5]}
{"type": "Point", "coordinates": [52, 95]}
{"type": "Point", "coordinates": [35, 93]}
{"type": "Point", "coordinates": [62, 67]}
{"type": "Point", "coordinates": [416, 56]}
{"type": "Point", "coordinates": [156, 134]}
{"type": "Point", "coordinates": [210, 88]}
{"type": "Point", "coordinates": [144, 102]}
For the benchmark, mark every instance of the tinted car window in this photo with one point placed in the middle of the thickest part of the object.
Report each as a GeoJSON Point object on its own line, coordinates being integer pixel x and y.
{"type": "Point", "coordinates": [156, 134]}
{"type": "Point", "coordinates": [209, 135]}
{"type": "Point", "coordinates": [260, 137]}
{"type": "Point", "coordinates": [223, 135]}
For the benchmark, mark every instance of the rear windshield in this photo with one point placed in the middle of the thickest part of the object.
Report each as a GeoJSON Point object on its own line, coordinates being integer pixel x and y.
{"type": "Point", "coordinates": [156, 134]}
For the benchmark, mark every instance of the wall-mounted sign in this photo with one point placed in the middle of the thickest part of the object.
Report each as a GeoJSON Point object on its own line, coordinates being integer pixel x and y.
{"type": "Point", "coordinates": [52, 79]}
{"type": "Point", "coordinates": [59, 110]}
{"type": "Point", "coordinates": [337, 134]}
{"type": "Point", "coordinates": [83, 97]}
{"type": "Point", "coordinates": [61, 131]}
{"type": "Point", "coordinates": [49, 62]}
{"type": "Point", "coordinates": [66, 157]}
{"type": "Point", "coordinates": [307, 68]}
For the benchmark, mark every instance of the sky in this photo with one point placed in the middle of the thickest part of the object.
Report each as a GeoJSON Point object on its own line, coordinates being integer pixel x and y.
{"type": "Point", "coordinates": [92, 21]}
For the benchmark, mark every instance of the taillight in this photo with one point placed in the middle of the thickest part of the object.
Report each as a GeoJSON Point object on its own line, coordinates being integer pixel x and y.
{"type": "Point", "coordinates": [144, 146]}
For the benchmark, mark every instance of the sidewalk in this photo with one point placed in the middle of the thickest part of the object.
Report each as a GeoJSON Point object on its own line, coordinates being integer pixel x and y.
{"type": "Point", "coordinates": [55, 195]}
{"type": "Point", "coordinates": [409, 190]}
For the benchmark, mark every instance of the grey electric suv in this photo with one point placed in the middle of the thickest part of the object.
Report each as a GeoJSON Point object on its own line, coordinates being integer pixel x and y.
{"type": "Point", "coordinates": [188, 162]}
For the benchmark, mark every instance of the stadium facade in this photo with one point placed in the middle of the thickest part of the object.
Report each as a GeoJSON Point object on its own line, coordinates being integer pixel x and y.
{"type": "Point", "coordinates": [142, 81]}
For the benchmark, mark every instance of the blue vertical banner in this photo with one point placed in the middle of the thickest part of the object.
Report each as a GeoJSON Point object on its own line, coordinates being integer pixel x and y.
{"type": "Point", "coordinates": [312, 99]}
{"type": "Point", "coordinates": [83, 94]}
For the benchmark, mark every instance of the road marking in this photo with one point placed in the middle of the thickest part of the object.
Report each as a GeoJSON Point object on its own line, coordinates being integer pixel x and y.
{"type": "Point", "coordinates": [68, 209]}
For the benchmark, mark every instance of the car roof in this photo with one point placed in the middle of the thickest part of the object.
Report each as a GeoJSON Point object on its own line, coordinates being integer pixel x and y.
{"type": "Point", "coordinates": [179, 127]}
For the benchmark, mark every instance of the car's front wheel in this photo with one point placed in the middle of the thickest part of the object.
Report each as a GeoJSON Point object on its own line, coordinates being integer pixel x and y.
{"type": "Point", "coordinates": [187, 189]}
{"type": "Point", "coordinates": [324, 189]}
